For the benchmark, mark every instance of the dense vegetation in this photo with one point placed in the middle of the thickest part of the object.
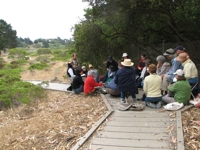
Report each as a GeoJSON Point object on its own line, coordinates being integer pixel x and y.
{"type": "Point", "coordinates": [7, 36]}
{"type": "Point", "coordinates": [136, 27]}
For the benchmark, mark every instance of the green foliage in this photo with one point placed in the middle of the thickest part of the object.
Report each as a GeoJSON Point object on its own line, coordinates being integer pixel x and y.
{"type": "Point", "coordinates": [43, 58]}
{"type": "Point", "coordinates": [13, 91]}
{"type": "Point", "coordinates": [17, 53]}
{"type": "Point", "coordinates": [43, 51]}
{"type": "Point", "coordinates": [7, 36]}
{"type": "Point", "coordinates": [39, 66]}
{"type": "Point", "coordinates": [2, 62]}
{"type": "Point", "coordinates": [60, 54]}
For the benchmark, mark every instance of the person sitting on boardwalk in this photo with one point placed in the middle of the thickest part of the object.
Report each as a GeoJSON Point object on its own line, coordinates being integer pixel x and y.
{"type": "Point", "coordinates": [84, 75]}
{"type": "Point", "coordinates": [78, 82]}
{"type": "Point", "coordinates": [71, 74]}
{"type": "Point", "coordinates": [96, 77]}
{"type": "Point", "coordinates": [190, 69]}
{"type": "Point", "coordinates": [90, 84]}
{"type": "Point", "coordinates": [111, 88]}
{"type": "Point", "coordinates": [125, 80]}
{"type": "Point", "coordinates": [152, 88]}
{"type": "Point", "coordinates": [181, 89]}
{"type": "Point", "coordinates": [125, 56]}
{"type": "Point", "coordinates": [175, 65]}
{"type": "Point", "coordinates": [162, 66]}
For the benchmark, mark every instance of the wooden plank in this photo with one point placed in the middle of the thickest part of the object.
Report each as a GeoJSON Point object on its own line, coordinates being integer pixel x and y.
{"type": "Point", "coordinates": [131, 143]}
{"type": "Point", "coordinates": [102, 147]}
{"type": "Point", "coordinates": [135, 129]}
{"type": "Point", "coordinates": [180, 139]}
{"type": "Point", "coordinates": [106, 102]}
{"type": "Point", "coordinates": [141, 115]}
{"type": "Point", "coordinates": [128, 119]}
{"type": "Point", "coordinates": [90, 132]}
{"type": "Point", "coordinates": [138, 136]}
{"type": "Point", "coordinates": [139, 124]}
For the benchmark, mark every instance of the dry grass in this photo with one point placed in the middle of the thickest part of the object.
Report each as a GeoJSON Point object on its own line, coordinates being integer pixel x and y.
{"type": "Point", "coordinates": [191, 128]}
{"type": "Point", "coordinates": [55, 123]}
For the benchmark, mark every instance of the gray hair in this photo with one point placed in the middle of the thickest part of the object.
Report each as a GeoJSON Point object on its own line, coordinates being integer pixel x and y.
{"type": "Point", "coordinates": [160, 58]}
{"type": "Point", "coordinates": [92, 73]}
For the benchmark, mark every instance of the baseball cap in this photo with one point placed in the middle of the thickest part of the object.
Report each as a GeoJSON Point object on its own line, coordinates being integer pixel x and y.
{"type": "Point", "coordinates": [179, 72]}
{"type": "Point", "coordinates": [179, 48]}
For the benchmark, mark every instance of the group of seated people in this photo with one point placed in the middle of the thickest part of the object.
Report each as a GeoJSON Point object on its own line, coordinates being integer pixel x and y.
{"type": "Point", "coordinates": [162, 83]}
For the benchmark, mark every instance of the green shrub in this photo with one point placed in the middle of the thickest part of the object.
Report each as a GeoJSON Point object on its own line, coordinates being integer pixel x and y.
{"type": "Point", "coordinates": [39, 66]}
{"type": "Point", "coordinates": [43, 51]}
{"type": "Point", "coordinates": [17, 53]}
{"type": "Point", "coordinates": [44, 59]}
{"type": "Point", "coordinates": [13, 91]}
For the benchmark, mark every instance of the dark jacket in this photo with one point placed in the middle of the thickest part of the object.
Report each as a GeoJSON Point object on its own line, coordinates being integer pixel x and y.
{"type": "Point", "coordinates": [125, 80]}
{"type": "Point", "coordinates": [113, 63]}
{"type": "Point", "coordinates": [77, 81]}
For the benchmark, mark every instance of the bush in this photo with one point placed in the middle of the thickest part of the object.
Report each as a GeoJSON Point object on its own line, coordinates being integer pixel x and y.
{"type": "Point", "coordinates": [43, 51]}
{"type": "Point", "coordinates": [17, 53]}
{"type": "Point", "coordinates": [39, 66]}
{"type": "Point", "coordinates": [44, 59]}
{"type": "Point", "coordinates": [13, 91]}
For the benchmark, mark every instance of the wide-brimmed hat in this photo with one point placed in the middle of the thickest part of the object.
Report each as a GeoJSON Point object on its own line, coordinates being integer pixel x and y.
{"type": "Point", "coordinates": [182, 57]}
{"type": "Point", "coordinates": [127, 62]}
{"type": "Point", "coordinates": [179, 72]}
{"type": "Point", "coordinates": [169, 51]}
{"type": "Point", "coordinates": [124, 55]}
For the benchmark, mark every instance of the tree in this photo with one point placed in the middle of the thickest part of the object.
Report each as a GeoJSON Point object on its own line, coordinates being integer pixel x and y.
{"type": "Point", "coordinates": [8, 38]}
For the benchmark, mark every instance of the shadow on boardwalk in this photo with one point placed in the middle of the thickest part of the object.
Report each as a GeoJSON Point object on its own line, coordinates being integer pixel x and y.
{"type": "Point", "coordinates": [149, 129]}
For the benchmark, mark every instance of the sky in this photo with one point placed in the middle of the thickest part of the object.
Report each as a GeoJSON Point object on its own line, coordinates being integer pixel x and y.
{"type": "Point", "coordinates": [42, 18]}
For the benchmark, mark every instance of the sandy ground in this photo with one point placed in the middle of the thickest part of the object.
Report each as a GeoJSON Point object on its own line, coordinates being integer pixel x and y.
{"type": "Point", "coordinates": [56, 122]}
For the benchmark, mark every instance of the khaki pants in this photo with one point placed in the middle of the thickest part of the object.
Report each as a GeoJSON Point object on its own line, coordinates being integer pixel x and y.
{"type": "Point", "coordinates": [167, 99]}
{"type": "Point", "coordinates": [165, 82]}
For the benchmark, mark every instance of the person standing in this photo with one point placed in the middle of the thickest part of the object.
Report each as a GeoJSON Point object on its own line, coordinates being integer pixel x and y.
{"type": "Point", "coordinates": [152, 88]}
{"type": "Point", "coordinates": [74, 61]}
{"type": "Point", "coordinates": [125, 80]}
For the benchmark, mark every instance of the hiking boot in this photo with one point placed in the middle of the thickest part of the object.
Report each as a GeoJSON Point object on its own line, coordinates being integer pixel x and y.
{"type": "Point", "coordinates": [152, 105]}
{"type": "Point", "coordinates": [159, 104]}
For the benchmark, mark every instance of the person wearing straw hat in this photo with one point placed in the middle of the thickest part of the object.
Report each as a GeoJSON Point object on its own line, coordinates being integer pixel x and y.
{"type": "Point", "coordinates": [190, 69]}
{"type": "Point", "coordinates": [125, 80]}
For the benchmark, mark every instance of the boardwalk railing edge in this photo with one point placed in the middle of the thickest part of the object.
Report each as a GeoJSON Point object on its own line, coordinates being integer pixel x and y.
{"type": "Point", "coordinates": [95, 126]}
{"type": "Point", "coordinates": [180, 138]}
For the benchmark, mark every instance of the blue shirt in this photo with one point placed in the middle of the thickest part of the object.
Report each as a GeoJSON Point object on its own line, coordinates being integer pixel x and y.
{"type": "Point", "coordinates": [175, 66]}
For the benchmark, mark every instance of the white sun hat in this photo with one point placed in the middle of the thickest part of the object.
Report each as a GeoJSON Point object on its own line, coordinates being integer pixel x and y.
{"type": "Point", "coordinates": [127, 62]}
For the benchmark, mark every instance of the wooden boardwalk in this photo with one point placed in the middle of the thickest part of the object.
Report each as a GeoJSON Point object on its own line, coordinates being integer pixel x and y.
{"type": "Point", "coordinates": [150, 129]}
